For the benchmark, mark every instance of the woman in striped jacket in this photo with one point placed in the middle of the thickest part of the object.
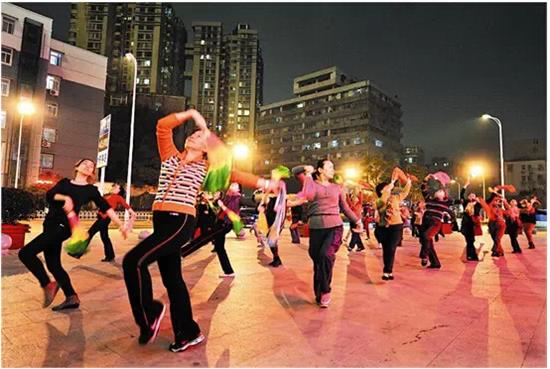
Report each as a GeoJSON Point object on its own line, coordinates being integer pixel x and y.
{"type": "Point", "coordinates": [437, 207]}
{"type": "Point", "coordinates": [182, 175]}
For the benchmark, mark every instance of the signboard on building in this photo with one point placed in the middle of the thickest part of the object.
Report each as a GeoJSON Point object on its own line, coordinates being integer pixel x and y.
{"type": "Point", "coordinates": [103, 142]}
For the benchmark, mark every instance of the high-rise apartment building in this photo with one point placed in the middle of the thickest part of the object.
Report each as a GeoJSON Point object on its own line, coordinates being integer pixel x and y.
{"type": "Point", "coordinates": [227, 79]}
{"type": "Point", "coordinates": [205, 84]}
{"type": "Point", "coordinates": [241, 91]}
{"type": "Point", "coordinates": [66, 87]}
{"type": "Point", "coordinates": [150, 31]}
{"type": "Point", "coordinates": [331, 117]}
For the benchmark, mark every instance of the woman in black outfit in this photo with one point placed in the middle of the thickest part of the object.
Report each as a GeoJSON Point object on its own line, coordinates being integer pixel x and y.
{"type": "Point", "coordinates": [471, 220]}
{"type": "Point", "coordinates": [65, 198]}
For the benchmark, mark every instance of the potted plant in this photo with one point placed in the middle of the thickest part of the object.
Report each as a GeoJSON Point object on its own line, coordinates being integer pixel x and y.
{"type": "Point", "coordinates": [16, 205]}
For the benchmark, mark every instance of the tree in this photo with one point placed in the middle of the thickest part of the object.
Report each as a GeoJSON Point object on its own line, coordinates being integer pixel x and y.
{"type": "Point", "coordinates": [419, 171]}
{"type": "Point", "coordinates": [376, 168]}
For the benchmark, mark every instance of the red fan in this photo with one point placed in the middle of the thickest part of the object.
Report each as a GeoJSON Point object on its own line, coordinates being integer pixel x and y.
{"type": "Point", "coordinates": [402, 176]}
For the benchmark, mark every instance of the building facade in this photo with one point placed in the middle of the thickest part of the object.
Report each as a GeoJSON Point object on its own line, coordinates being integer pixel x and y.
{"type": "Point", "coordinates": [526, 166]}
{"type": "Point", "coordinates": [528, 176]}
{"type": "Point", "coordinates": [66, 86]}
{"type": "Point", "coordinates": [227, 79]}
{"type": "Point", "coordinates": [150, 31]}
{"type": "Point", "coordinates": [413, 155]}
{"type": "Point", "coordinates": [206, 55]}
{"type": "Point", "coordinates": [331, 117]}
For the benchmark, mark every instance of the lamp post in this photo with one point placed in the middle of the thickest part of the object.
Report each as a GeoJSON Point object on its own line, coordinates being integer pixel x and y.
{"type": "Point", "coordinates": [24, 107]}
{"type": "Point", "coordinates": [131, 57]}
{"type": "Point", "coordinates": [499, 124]}
{"type": "Point", "coordinates": [458, 187]}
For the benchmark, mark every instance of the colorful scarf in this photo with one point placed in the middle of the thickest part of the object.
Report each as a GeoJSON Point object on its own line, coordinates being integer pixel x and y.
{"type": "Point", "coordinates": [78, 243]}
{"type": "Point", "coordinates": [280, 209]}
{"type": "Point", "coordinates": [219, 165]}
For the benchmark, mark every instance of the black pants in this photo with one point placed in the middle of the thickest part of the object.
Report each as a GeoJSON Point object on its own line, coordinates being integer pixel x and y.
{"type": "Point", "coordinates": [469, 236]}
{"type": "Point", "coordinates": [356, 241]}
{"type": "Point", "coordinates": [323, 245]}
{"type": "Point", "coordinates": [170, 232]}
{"type": "Point", "coordinates": [377, 233]}
{"type": "Point", "coordinates": [217, 235]}
{"type": "Point", "coordinates": [102, 226]}
{"type": "Point", "coordinates": [429, 229]}
{"type": "Point", "coordinates": [390, 236]}
{"type": "Point", "coordinates": [294, 233]}
{"type": "Point", "coordinates": [49, 242]}
{"type": "Point", "coordinates": [513, 230]}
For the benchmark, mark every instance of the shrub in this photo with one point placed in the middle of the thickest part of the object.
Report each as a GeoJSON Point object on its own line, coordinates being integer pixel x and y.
{"type": "Point", "coordinates": [17, 205]}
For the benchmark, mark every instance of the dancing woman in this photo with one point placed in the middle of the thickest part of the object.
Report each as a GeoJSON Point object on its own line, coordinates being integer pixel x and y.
{"type": "Point", "coordinates": [355, 202]}
{"type": "Point", "coordinates": [65, 200]}
{"type": "Point", "coordinates": [182, 174]}
{"type": "Point", "coordinates": [101, 225]}
{"type": "Point", "coordinates": [471, 221]}
{"type": "Point", "coordinates": [221, 227]}
{"type": "Point", "coordinates": [437, 207]}
{"type": "Point", "coordinates": [528, 218]}
{"type": "Point", "coordinates": [325, 201]}
{"type": "Point", "coordinates": [494, 207]}
{"type": "Point", "coordinates": [513, 225]}
{"type": "Point", "coordinates": [391, 222]}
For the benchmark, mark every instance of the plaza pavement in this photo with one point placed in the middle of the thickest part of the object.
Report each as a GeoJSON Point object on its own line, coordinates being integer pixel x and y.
{"type": "Point", "coordinates": [487, 314]}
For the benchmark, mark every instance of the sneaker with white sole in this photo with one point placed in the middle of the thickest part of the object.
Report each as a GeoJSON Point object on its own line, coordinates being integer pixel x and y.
{"type": "Point", "coordinates": [230, 275]}
{"type": "Point", "coordinates": [150, 334]}
{"type": "Point", "coordinates": [185, 344]}
{"type": "Point", "coordinates": [325, 300]}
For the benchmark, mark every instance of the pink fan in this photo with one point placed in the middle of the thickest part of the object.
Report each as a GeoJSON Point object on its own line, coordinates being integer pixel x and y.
{"type": "Point", "coordinates": [442, 177]}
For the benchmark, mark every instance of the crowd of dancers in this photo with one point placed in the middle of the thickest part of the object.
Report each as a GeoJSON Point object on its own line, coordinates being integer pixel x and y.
{"type": "Point", "coordinates": [198, 202]}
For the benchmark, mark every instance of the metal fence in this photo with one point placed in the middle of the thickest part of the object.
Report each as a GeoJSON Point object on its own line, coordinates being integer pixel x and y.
{"type": "Point", "coordinates": [92, 215]}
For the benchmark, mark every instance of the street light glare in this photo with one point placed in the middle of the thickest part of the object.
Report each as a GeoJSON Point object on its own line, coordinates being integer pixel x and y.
{"type": "Point", "coordinates": [25, 108]}
{"type": "Point", "coordinates": [486, 117]}
{"type": "Point", "coordinates": [241, 151]}
{"type": "Point", "coordinates": [351, 173]}
{"type": "Point", "coordinates": [476, 171]}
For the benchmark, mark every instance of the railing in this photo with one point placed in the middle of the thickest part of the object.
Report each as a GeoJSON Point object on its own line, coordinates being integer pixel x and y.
{"type": "Point", "coordinates": [92, 215]}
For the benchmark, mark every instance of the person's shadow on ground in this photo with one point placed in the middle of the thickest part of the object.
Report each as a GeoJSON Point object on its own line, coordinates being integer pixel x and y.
{"type": "Point", "coordinates": [66, 349]}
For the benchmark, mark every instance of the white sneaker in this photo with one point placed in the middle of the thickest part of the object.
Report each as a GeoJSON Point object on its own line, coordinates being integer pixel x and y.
{"type": "Point", "coordinates": [325, 300]}
{"type": "Point", "coordinates": [231, 275]}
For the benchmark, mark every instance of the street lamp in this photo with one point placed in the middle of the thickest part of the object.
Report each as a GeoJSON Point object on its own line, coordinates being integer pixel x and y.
{"type": "Point", "coordinates": [24, 107]}
{"type": "Point", "coordinates": [458, 187]}
{"type": "Point", "coordinates": [499, 124]}
{"type": "Point", "coordinates": [476, 171]}
{"type": "Point", "coordinates": [131, 57]}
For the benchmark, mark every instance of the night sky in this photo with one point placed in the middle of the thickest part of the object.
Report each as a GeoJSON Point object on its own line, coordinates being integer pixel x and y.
{"type": "Point", "coordinates": [448, 63]}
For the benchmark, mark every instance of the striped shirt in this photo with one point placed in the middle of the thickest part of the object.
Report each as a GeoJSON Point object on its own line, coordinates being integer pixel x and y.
{"type": "Point", "coordinates": [435, 209]}
{"type": "Point", "coordinates": [180, 183]}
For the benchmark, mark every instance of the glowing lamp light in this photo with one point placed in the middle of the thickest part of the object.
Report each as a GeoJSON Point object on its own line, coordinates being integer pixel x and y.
{"type": "Point", "coordinates": [241, 151]}
{"type": "Point", "coordinates": [351, 173]}
{"type": "Point", "coordinates": [25, 108]}
{"type": "Point", "coordinates": [476, 171]}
